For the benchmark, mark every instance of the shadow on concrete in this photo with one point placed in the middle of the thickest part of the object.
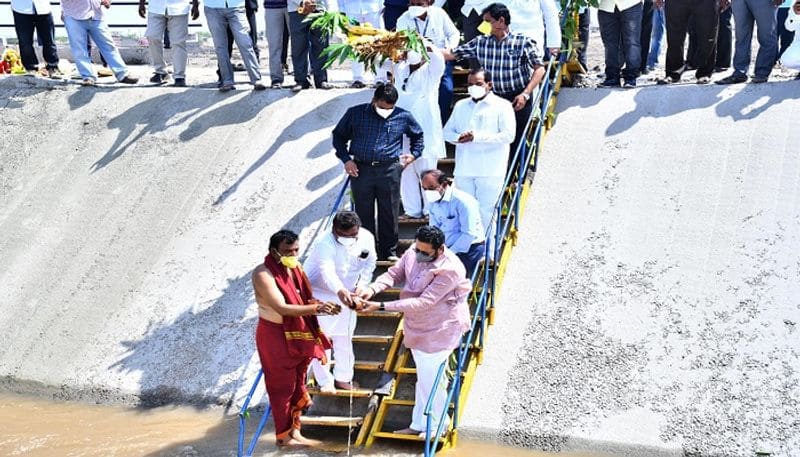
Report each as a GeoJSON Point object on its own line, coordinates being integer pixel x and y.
{"type": "Point", "coordinates": [659, 102]}
{"type": "Point", "coordinates": [204, 347]}
{"type": "Point", "coordinates": [573, 97]}
{"type": "Point", "coordinates": [298, 128]}
{"type": "Point", "coordinates": [159, 113]}
{"type": "Point", "coordinates": [753, 100]}
{"type": "Point", "coordinates": [84, 95]}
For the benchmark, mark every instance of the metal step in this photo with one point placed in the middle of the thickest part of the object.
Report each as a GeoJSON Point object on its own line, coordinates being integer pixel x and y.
{"type": "Point", "coordinates": [385, 314]}
{"type": "Point", "coordinates": [373, 339]}
{"type": "Point", "coordinates": [356, 393]}
{"type": "Point", "coordinates": [332, 421]}
{"type": "Point", "coordinates": [398, 436]}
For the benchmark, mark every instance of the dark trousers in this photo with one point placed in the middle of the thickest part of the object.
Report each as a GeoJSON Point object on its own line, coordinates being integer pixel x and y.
{"type": "Point", "coordinates": [677, 14]}
{"type": "Point", "coordinates": [379, 184]}
{"type": "Point", "coordinates": [446, 91]}
{"type": "Point", "coordinates": [621, 27]}
{"type": "Point", "coordinates": [471, 258]}
{"type": "Point", "coordinates": [646, 33]}
{"type": "Point", "coordinates": [724, 53]}
{"type": "Point", "coordinates": [390, 15]}
{"type": "Point", "coordinates": [584, 22]}
{"type": "Point", "coordinates": [521, 118]}
{"type": "Point", "coordinates": [25, 24]}
{"type": "Point", "coordinates": [470, 27]}
{"type": "Point", "coordinates": [307, 44]}
{"type": "Point", "coordinates": [785, 37]}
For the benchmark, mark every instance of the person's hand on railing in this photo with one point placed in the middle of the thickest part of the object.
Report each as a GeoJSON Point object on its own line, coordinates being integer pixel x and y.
{"type": "Point", "coordinates": [195, 10]}
{"type": "Point", "coordinates": [406, 159]}
{"type": "Point", "coordinates": [142, 9]}
{"type": "Point", "coordinates": [106, 3]}
{"type": "Point", "coordinates": [351, 168]}
{"type": "Point", "coordinates": [554, 52]}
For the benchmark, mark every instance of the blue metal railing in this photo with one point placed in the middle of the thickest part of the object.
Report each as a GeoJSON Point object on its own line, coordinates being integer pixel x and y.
{"type": "Point", "coordinates": [243, 412]}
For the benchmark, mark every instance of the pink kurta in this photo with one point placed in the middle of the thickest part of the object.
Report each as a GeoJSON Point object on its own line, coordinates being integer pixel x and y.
{"type": "Point", "coordinates": [433, 300]}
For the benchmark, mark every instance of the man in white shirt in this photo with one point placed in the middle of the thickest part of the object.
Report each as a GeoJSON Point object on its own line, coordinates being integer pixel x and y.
{"type": "Point", "coordinates": [533, 18]}
{"type": "Point", "coordinates": [364, 11]}
{"type": "Point", "coordinates": [481, 127]}
{"type": "Point", "coordinates": [30, 15]}
{"type": "Point", "coordinates": [339, 266]}
{"type": "Point", "coordinates": [433, 23]}
{"type": "Point", "coordinates": [172, 15]}
{"type": "Point", "coordinates": [418, 89]}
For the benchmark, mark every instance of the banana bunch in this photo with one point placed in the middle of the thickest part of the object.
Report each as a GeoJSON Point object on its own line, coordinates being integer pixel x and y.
{"type": "Point", "coordinates": [363, 42]}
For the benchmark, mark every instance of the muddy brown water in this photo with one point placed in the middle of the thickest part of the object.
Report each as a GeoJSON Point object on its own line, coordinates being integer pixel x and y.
{"type": "Point", "coordinates": [42, 427]}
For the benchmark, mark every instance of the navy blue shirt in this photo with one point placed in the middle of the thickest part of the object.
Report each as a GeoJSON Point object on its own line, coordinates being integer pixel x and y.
{"type": "Point", "coordinates": [373, 138]}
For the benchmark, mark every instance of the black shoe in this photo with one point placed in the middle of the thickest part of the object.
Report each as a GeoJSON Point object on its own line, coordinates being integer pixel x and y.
{"type": "Point", "coordinates": [179, 82]}
{"type": "Point", "coordinates": [704, 80]}
{"type": "Point", "coordinates": [610, 83]}
{"type": "Point", "coordinates": [667, 80]}
{"type": "Point", "coordinates": [129, 80]}
{"type": "Point", "coordinates": [358, 85]}
{"type": "Point", "coordinates": [735, 78]}
{"type": "Point", "coordinates": [630, 83]}
{"type": "Point", "coordinates": [258, 85]}
{"type": "Point", "coordinates": [759, 79]}
{"type": "Point", "coordinates": [645, 71]}
{"type": "Point", "coordinates": [721, 69]}
{"type": "Point", "coordinates": [238, 66]}
{"type": "Point", "coordinates": [159, 79]}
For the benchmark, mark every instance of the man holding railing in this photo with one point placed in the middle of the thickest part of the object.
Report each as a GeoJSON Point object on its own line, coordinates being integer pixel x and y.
{"type": "Point", "coordinates": [435, 315]}
{"type": "Point", "coordinates": [513, 60]}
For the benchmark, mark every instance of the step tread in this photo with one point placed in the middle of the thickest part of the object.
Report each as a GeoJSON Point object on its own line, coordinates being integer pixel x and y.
{"type": "Point", "coordinates": [398, 436]}
{"type": "Point", "coordinates": [369, 365]}
{"type": "Point", "coordinates": [387, 314]}
{"type": "Point", "coordinates": [377, 339]}
{"type": "Point", "coordinates": [398, 402]}
{"type": "Point", "coordinates": [332, 421]}
{"type": "Point", "coordinates": [357, 393]}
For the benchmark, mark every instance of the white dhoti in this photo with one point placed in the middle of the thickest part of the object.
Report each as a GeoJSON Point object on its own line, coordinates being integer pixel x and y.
{"type": "Point", "coordinates": [339, 329]}
{"type": "Point", "coordinates": [410, 190]}
{"type": "Point", "coordinates": [427, 368]}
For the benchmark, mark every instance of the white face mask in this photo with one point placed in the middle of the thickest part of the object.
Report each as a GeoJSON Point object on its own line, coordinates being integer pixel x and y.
{"type": "Point", "coordinates": [417, 11]}
{"type": "Point", "coordinates": [432, 196]}
{"type": "Point", "coordinates": [346, 241]}
{"type": "Point", "coordinates": [476, 92]}
{"type": "Point", "coordinates": [384, 113]}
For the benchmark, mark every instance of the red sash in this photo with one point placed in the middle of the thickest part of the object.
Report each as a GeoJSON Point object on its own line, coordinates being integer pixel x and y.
{"type": "Point", "coordinates": [303, 335]}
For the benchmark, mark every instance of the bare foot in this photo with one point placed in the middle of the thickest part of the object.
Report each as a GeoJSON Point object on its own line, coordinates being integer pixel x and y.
{"type": "Point", "coordinates": [407, 431]}
{"type": "Point", "coordinates": [291, 443]}
{"type": "Point", "coordinates": [296, 436]}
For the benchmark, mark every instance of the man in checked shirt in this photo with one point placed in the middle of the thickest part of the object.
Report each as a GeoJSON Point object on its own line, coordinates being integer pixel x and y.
{"type": "Point", "coordinates": [511, 58]}
{"type": "Point", "coordinates": [369, 141]}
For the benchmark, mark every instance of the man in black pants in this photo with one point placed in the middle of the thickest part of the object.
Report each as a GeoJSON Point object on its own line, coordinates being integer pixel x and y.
{"type": "Point", "coordinates": [724, 54]}
{"type": "Point", "coordinates": [677, 14]}
{"type": "Point", "coordinates": [27, 18]}
{"type": "Point", "coordinates": [369, 140]}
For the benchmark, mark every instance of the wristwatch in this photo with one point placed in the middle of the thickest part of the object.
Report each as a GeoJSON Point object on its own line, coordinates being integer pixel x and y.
{"type": "Point", "coordinates": [526, 96]}
{"type": "Point", "coordinates": [382, 307]}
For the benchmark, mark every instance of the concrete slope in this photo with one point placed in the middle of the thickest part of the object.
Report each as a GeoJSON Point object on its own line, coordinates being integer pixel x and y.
{"type": "Point", "coordinates": [130, 220]}
{"type": "Point", "coordinates": [652, 305]}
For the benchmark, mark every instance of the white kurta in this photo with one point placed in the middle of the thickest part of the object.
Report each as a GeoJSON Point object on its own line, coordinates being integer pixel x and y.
{"type": "Point", "coordinates": [533, 17]}
{"type": "Point", "coordinates": [418, 93]}
{"type": "Point", "coordinates": [331, 266]}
